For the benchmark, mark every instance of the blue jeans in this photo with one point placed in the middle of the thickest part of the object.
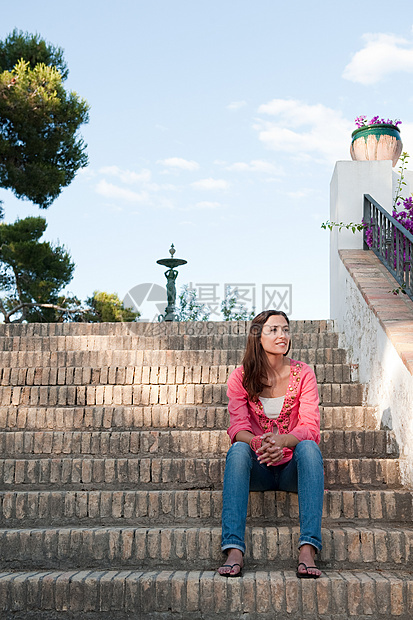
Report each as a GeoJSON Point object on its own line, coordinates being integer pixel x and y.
{"type": "Point", "coordinates": [243, 473]}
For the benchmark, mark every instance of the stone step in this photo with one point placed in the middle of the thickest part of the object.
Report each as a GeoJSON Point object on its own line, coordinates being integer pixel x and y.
{"type": "Point", "coordinates": [191, 548]}
{"type": "Point", "coordinates": [131, 342]}
{"type": "Point", "coordinates": [169, 443]}
{"type": "Point", "coordinates": [99, 507]}
{"type": "Point", "coordinates": [204, 595]}
{"type": "Point", "coordinates": [159, 416]}
{"type": "Point", "coordinates": [153, 394]}
{"type": "Point", "coordinates": [184, 473]}
{"type": "Point", "coordinates": [189, 328]}
{"type": "Point", "coordinates": [149, 375]}
{"type": "Point", "coordinates": [149, 357]}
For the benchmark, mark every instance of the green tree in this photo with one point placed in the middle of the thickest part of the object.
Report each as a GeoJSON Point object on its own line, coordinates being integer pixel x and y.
{"type": "Point", "coordinates": [232, 310]}
{"type": "Point", "coordinates": [108, 308]}
{"type": "Point", "coordinates": [33, 49]}
{"type": "Point", "coordinates": [190, 309]}
{"type": "Point", "coordinates": [40, 153]}
{"type": "Point", "coordinates": [40, 150]}
{"type": "Point", "coordinates": [69, 309]}
{"type": "Point", "coordinates": [32, 272]}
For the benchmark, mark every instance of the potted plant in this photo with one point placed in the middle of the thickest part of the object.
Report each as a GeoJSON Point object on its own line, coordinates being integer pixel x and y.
{"type": "Point", "coordinates": [376, 139]}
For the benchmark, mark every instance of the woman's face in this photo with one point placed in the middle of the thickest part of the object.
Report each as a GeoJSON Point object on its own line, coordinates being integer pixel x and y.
{"type": "Point", "coordinates": [275, 335]}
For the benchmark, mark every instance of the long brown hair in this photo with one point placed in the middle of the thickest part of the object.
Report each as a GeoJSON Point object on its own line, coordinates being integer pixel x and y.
{"type": "Point", "coordinates": [255, 361]}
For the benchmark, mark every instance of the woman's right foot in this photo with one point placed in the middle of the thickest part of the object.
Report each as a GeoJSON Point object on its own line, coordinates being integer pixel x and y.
{"type": "Point", "coordinates": [233, 564]}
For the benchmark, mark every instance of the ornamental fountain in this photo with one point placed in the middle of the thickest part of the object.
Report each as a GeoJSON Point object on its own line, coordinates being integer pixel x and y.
{"type": "Point", "coordinates": [171, 274]}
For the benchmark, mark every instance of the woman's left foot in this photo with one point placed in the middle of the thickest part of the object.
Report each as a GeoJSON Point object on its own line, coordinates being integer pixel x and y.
{"type": "Point", "coordinates": [306, 564]}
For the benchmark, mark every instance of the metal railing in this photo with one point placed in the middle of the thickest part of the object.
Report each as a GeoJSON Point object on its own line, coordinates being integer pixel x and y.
{"type": "Point", "coordinates": [390, 242]}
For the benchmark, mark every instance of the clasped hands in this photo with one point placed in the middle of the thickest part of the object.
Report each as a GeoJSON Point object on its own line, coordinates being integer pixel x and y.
{"type": "Point", "coordinates": [271, 451]}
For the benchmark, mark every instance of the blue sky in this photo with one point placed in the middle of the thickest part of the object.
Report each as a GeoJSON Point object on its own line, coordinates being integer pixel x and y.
{"type": "Point", "coordinates": [215, 126]}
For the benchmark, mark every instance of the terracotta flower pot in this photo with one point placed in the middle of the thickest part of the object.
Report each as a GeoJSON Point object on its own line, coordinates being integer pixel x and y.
{"type": "Point", "coordinates": [376, 142]}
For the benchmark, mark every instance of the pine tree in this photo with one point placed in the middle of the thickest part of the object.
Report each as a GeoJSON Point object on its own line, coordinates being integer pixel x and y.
{"type": "Point", "coordinates": [40, 150]}
{"type": "Point", "coordinates": [32, 272]}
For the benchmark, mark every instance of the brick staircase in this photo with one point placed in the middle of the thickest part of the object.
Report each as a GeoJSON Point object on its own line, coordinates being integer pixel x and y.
{"type": "Point", "coordinates": [112, 445]}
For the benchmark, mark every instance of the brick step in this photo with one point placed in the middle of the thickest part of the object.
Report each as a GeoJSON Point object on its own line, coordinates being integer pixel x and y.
{"type": "Point", "coordinates": [185, 473]}
{"type": "Point", "coordinates": [145, 394]}
{"type": "Point", "coordinates": [41, 508]}
{"type": "Point", "coordinates": [159, 416]}
{"type": "Point", "coordinates": [191, 548]}
{"type": "Point", "coordinates": [188, 328]}
{"type": "Point", "coordinates": [149, 357]}
{"type": "Point", "coordinates": [193, 443]}
{"type": "Point", "coordinates": [131, 342]}
{"type": "Point", "coordinates": [204, 595]}
{"type": "Point", "coordinates": [148, 375]}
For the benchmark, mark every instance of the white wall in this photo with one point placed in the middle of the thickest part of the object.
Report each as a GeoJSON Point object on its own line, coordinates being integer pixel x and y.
{"type": "Point", "coordinates": [351, 180]}
{"type": "Point", "coordinates": [390, 384]}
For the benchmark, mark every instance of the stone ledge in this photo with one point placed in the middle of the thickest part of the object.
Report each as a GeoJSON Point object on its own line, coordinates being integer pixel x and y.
{"type": "Point", "coordinates": [170, 594]}
{"type": "Point", "coordinates": [394, 312]}
{"type": "Point", "coordinates": [183, 328]}
{"type": "Point", "coordinates": [189, 547]}
{"type": "Point", "coordinates": [101, 507]}
{"type": "Point", "coordinates": [160, 472]}
{"type": "Point", "coordinates": [170, 374]}
{"type": "Point", "coordinates": [155, 394]}
{"type": "Point", "coordinates": [118, 417]}
{"type": "Point", "coordinates": [171, 442]}
{"type": "Point", "coordinates": [125, 345]}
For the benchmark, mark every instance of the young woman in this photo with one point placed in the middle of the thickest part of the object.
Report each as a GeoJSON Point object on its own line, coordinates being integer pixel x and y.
{"type": "Point", "coordinates": [275, 431]}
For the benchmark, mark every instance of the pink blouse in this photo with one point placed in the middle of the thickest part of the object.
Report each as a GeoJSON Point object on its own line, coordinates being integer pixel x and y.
{"type": "Point", "coordinates": [299, 415]}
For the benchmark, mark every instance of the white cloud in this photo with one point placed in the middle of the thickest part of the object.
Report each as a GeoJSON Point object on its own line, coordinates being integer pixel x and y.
{"type": "Point", "coordinates": [381, 55]}
{"type": "Point", "coordinates": [301, 193]}
{"type": "Point", "coordinates": [135, 188]}
{"type": "Point", "coordinates": [205, 204]}
{"type": "Point", "coordinates": [127, 176]}
{"type": "Point", "coordinates": [108, 190]}
{"type": "Point", "coordinates": [297, 113]}
{"type": "Point", "coordinates": [236, 105]}
{"type": "Point", "coordinates": [179, 162]}
{"type": "Point", "coordinates": [211, 184]}
{"type": "Point", "coordinates": [304, 130]}
{"type": "Point", "coordinates": [407, 138]}
{"type": "Point", "coordinates": [201, 206]}
{"type": "Point", "coordinates": [256, 165]}
{"type": "Point", "coordinates": [87, 173]}
{"type": "Point", "coordinates": [188, 223]}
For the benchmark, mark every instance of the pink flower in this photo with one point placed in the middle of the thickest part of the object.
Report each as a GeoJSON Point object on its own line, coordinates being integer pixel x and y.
{"type": "Point", "coordinates": [361, 121]}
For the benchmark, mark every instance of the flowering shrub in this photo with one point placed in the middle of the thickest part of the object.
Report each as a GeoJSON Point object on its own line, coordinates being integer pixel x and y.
{"type": "Point", "coordinates": [361, 121]}
{"type": "Point", "coordinates": [405, 217]}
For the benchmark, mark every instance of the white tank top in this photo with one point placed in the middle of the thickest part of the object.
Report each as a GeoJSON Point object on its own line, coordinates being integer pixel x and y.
{"type": "Point", "coordinates": [272, 406]}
